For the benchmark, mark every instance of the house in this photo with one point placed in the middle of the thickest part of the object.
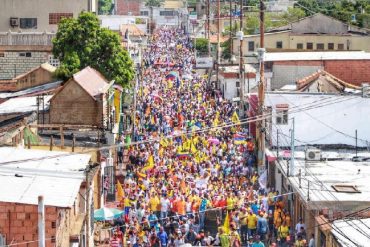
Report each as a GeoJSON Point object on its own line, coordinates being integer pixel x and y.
{"type": "Point", "coordinates": [316, 32]}
{"type": "Point", "coordinates": [322, 82]}
{"type": "Point", "coordinates": [134, 40]}
{"type": "Point", "coordinates": [21, 52]}
{"type": "Point", "coordinates": [286, 68]}
{"type": "Point", "coordinates": [114, 22]}
{"type": "Point", "coordinates": [83, 100]}
{"type": "Point", "coordinates": [321, 119]}
{"type": "Point", "coordinates": [40, 15]}
{"type": "Point", "coordinates": [229, 82]}
{"type": "Point", "coordinates": [325, 186]}
{"type": "Point", "coordinates": [60, 178]}
{"type": "Point", "coordinates": [170, 13]}
{"type": "Point", "coordinates": [37, 76]}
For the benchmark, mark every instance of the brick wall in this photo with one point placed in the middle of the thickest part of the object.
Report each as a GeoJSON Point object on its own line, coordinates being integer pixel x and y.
{"type": "Point", "coordinates": [126, 6]}
{"type": "Point", "coordinates": [72, 105]}
{"type": "Point", "coordinates": [352, 71]}
{"type": "Point", "coordinates": [18, 222]}
{"type": "Point", "coordinates": [12, 64]}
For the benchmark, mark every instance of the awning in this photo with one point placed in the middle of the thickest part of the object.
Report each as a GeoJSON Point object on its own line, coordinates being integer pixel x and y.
{"type": "Point", "coordinates": [271, 157]}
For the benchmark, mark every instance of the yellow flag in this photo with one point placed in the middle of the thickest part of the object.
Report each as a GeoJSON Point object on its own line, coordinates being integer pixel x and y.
{"type": "Point", "coordinates": [120, 192]}
{"type": "Point", "coordinates": [227, 224]}
{"type": "Point", "coordinates": [149, 165]}
{"type": "Point", "coordinates": [235, 118]}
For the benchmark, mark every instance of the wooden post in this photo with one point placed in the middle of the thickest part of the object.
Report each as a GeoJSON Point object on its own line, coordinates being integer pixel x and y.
{"type": "Point", "coordinates": [61, 137]}
{"type": "Point", "coordinates": [29, 142]}
{"type": "Point", "coordinates": [73, 142]}
{"type": "Point", "coordinates": [51, 142]}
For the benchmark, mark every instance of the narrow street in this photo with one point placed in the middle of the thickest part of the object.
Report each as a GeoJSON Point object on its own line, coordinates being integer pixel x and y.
{"type": "Point", "coordinates": [195, 165]}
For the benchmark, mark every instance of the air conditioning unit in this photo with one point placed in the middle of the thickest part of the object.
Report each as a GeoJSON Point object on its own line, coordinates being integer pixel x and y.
{"type": "Point", "coordinates": [14, 22]}
{"type": "Point", "coordinates": [313, 154]}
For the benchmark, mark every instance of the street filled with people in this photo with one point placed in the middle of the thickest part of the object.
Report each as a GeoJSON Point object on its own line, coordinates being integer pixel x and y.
{"type": "Point", "coordinates": [191, 176]}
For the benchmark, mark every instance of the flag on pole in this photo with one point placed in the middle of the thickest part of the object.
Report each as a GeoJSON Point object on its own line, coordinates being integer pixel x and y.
{"type": "Point", "coordinates": [235, 118]}
{"type": "Point", "coordinates": [227, 223]}
{"type": "Point", "coordinates": [120, 192]}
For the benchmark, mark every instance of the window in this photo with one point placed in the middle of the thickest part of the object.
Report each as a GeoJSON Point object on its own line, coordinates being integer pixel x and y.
{"type": "Point", "coordinates": [344, 188]}
{"type": "Point", "coordinates": [320, 46]}
{"type": "Point", "coordinates": [282, 114]}
{"type": "Point", "coordinates": [144, 13]}
{"type": "Point", "coordinates": [279, 44]}
{"type": "Point", "coordinates": [299, 46]}
{"type": "Point", "coordinates": [167, 13]}
{"type": "Point", "coordinates": [250, 45]}
{"type": "Point", "coordinates": [54, 18]}
{"type": "Point", "coordinates": [22, 54]}
{"type": "Point", "coordinates": [28, 23]}
{"type": "Point", "coordinates": [340, 46]}
{"type": "Point", "coordinates": [53, 224]}
{"type": "Point", "coordinates": [53, 239]}
{"type": "Point", "coordinates": [28, 54]}
{"type": "Point", "coordinates": [2, 54]}
{"type": "Point", "coordinates": [237, 84]}
{"type": "Point", "coordinates": [54, 61]}
{"type": "Point", "coordinates": [309, 46]}
{"type": "Point", "coordinates": [330, 46]}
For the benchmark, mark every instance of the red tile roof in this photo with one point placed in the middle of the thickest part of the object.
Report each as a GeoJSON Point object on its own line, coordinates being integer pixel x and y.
{"type": "Point", "coordinates": [323, 77]}
{"type": "Point", "coordinates": [92, 81]}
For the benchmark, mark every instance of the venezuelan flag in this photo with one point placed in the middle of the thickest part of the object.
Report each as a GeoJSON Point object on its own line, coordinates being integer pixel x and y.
{"type": "Point", "coordinates": [239, 139]}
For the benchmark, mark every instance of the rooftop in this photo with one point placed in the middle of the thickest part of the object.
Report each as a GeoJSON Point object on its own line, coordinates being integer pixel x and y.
{"type": "Point", "coordinates": [57, 177]}
{"type": "Point", "coordinates": [132, 29]}
{"type": "Point", "coordinates": [314, 56]}
{"type": "Point", "coordinates": [325, 183]}
{"type": "Point", "coordinates": [172, 4]}
{"type": "Point", "coordinates": [33, 90]}
{"type": "Point", "coordinates": [92, 81]}
{"type": "Point", "coordinates": [355, 230]}
{"type": "Point", "coordinates": [22, 105]}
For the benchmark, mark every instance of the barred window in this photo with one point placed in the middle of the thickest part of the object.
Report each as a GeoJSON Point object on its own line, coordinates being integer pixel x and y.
{"type": "Point", "coordinates": [54, 18]}
{"type": "Point", "coordinates": [28, 23]}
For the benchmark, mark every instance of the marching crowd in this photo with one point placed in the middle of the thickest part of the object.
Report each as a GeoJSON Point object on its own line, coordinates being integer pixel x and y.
{"type": "Point", "coordinates": [192, 178]}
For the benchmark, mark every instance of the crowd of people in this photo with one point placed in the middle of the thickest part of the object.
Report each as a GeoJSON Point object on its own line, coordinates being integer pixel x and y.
{"type": "Point", "coordinates": [192, 177]}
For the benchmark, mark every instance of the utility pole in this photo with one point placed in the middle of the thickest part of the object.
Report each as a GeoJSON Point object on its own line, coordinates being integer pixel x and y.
{"type": "Point", "coordinates": [218, 37]}
{"type": "Point", "coordinates": [207, 27]}
{"type": "Point", "coordinates": [231, 28]}
{"type": "Point", "coordinates": [87, 216]}
{"type": "Point", "coordinates": [241, 62]}
{"type": "Point", "coordinates": [277, 144]}
{"type": "Point", "coordinates": [41, 221]}
{"type": "Point", "coordinates": [261, 89]}
{"type": "Point", "coordinates": [356, 141]}
{"type": "Point", "coordinates": [292, 150]}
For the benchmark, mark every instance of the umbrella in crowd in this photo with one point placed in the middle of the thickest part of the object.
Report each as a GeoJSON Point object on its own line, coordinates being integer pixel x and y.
{"type": "Point", "coordinates": [107, 214]}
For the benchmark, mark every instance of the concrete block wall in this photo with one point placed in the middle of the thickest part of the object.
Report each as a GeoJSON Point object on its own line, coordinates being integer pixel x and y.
{"type": "Point", "coordinates": [18, 222]}
{"type": "Point", "coordinates": [12, 64]}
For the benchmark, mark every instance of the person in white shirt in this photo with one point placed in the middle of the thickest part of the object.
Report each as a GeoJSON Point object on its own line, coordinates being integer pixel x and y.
{"type": "Point", "coordinates": [311, 243]}
{"type": "Point", "coordinates": [299, 225]}
{"type": "Point", "coordinates": [165, 205]}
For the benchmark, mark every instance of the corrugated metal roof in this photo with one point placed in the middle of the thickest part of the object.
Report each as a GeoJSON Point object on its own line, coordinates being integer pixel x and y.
{"type": "Point", "coordinates": [22, 104]}
{"type": "Point", "coordinates": [304, 56]}
{"type": "Point", "coordinates": [58, 177]}
{"type": "Point", "coordinates": [91, 80]}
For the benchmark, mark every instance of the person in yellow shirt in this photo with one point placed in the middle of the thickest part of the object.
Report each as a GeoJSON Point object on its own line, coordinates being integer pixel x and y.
{"type": "Point", "coordinates": [230, 202]}
{"type": "Point", "coordinates": [154, 204]}
{"type": "Point", "coordinates": [252, 223]}
{"type": "Point", "coordinates": [283, 232]}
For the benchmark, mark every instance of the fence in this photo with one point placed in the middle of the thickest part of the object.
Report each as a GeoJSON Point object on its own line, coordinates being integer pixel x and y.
{"type": "Point", "coordinates": [23, 38]}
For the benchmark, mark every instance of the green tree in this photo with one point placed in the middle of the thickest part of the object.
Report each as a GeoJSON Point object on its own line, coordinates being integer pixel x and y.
{"type": "Point", "coordinates": [201, 45]}
{"type": "Point", "coordinates": [153, 3]}
{"type": "Point", "coordinates": [105, 7]}
{"type": "Point", "coordinates": [82, 42]}
{"type": "Point", "coordinates": [293, 14]}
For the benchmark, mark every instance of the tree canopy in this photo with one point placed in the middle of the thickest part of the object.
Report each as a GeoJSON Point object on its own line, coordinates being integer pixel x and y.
{"type": "Point", "coordinates": [105, 7]}
{"type": "Point", "coordinates": [153, 3]}
{"type": "Point", "coordinates": [201, 45]}
{"type": "Point", "coordinates": [82, 42]}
